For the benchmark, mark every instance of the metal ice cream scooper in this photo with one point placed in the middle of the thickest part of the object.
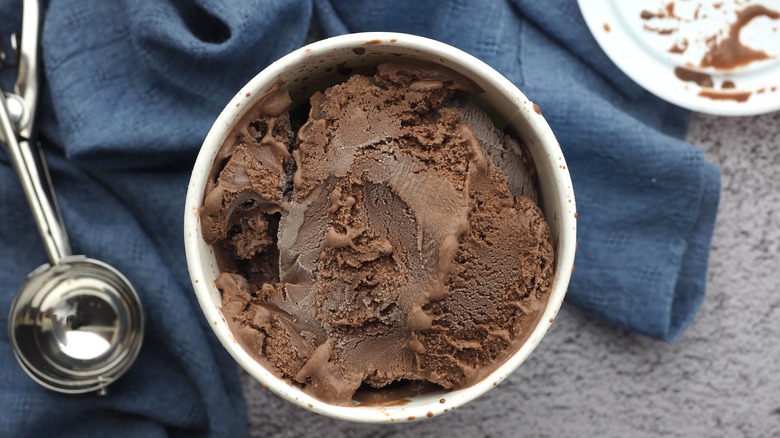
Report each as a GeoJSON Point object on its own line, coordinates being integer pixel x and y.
{"type": "Point", "coordinates": [76, 325]}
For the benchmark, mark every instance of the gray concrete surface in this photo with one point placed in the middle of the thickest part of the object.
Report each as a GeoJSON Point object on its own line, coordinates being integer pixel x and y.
{"type": "Point", "coordinates": [588, 379]}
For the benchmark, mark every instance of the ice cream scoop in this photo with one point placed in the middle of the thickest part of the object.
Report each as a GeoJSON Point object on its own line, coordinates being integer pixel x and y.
{"type": "Point", "coordinates": [76, 325]}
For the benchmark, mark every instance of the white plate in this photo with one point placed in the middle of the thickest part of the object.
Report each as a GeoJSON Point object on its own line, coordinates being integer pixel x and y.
{"type": "Point", "coordinates": [644, 54]}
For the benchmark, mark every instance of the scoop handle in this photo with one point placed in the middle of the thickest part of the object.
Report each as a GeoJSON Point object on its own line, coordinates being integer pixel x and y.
{"type": "Point", "coordinates": [33, 173]}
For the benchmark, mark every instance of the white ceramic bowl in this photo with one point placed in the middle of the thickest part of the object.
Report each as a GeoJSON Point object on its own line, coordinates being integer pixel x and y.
{"type": "Point", "coordinates": [317, 64]}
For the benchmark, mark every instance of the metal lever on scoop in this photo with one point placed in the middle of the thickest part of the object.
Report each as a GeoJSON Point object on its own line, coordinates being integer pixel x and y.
{"type": "Point", "coordinates": [36, 183]}
{"type": "Point", "coordinates": [19, 136]}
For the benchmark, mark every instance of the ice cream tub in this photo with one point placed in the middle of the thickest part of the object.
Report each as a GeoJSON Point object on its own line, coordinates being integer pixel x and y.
{"type": "Point", "coordinates": [317, 66]}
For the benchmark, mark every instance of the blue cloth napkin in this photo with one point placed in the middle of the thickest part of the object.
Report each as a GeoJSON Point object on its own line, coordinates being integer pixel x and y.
{"type": "Point", "coordinates": [134, 85]}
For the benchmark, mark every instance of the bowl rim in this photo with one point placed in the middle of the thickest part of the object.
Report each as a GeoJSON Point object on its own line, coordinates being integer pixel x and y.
{"type": "Point", "coordinates": [204, 288]}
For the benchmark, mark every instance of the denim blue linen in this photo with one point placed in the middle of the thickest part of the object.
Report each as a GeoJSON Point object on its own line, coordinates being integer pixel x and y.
{"type": "Point", "coordinates": [134, 85]}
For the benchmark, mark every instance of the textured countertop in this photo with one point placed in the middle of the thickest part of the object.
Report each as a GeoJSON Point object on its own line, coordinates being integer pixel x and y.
{"type": "Point", "coordinates": [588, 379]}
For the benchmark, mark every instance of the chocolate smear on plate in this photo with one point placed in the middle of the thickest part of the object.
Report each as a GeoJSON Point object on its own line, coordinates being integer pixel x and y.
{"type": "Point", "coordinates": [730, 53]}
{"type": "Point", "coordinates": [688, 75]}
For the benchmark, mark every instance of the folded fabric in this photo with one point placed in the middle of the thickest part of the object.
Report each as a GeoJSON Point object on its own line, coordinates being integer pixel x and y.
{"type": "Point", "coordinates": [133, 87]}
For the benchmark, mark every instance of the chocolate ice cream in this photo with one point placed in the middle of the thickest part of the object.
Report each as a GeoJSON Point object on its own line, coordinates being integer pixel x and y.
{"type": "Point", "coordinates": [395, 237]}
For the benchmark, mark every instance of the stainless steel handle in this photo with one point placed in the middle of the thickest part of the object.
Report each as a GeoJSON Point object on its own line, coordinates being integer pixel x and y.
{"type": "Point", "coordinates": [27, 86]}
{"type": "Point", "coordinates": [33, 173]}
